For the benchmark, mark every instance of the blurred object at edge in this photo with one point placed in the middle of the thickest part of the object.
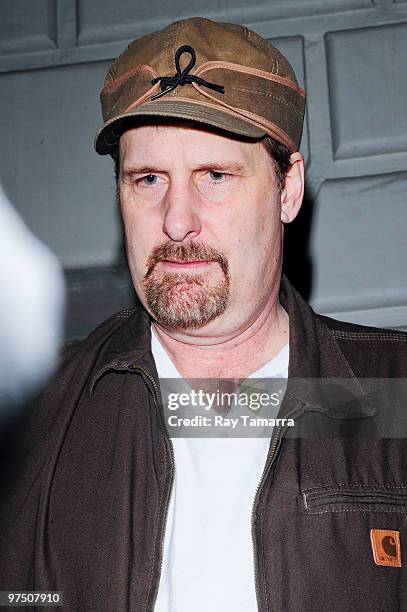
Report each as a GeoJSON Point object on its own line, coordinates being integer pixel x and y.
{"type": "Point", "coordinates": [32, 298]}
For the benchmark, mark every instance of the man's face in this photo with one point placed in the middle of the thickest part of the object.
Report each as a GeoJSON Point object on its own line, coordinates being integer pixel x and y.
{"type": "Point", "coordinates": [202, 224]}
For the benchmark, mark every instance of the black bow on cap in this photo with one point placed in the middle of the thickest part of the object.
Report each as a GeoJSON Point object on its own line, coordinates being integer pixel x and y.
{"type": "Point", "coordinates": [168, 84]}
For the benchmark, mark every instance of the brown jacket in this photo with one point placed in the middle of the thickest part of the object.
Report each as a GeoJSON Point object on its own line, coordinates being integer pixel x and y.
{"type": "Point", "coordinates": [86, 512]}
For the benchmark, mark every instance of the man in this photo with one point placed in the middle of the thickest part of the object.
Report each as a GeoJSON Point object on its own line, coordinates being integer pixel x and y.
{"type": "Point", "coordinates": [204, 122]}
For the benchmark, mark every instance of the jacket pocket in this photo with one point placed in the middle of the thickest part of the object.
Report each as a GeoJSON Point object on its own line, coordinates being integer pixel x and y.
{"type": "Point", "coordinates": [355, 498]}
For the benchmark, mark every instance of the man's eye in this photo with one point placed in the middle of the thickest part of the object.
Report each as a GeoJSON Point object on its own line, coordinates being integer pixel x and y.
{"type": "Point", "coordinates": [216, 176]}
{"type": "Point", "coordinates": [149, 179]}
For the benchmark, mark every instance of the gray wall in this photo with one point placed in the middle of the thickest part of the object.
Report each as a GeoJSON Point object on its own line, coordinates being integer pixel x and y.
{"type": "Point", "coordinates": [347, 249]}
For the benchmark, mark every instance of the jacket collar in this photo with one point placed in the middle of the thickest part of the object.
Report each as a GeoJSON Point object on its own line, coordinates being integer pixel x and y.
{"type": "Point", "coordinates": [319, 376]}
{"type": "Point", "coordinates": [315, 356]}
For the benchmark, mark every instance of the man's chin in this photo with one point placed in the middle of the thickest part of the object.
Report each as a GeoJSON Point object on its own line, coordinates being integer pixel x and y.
{"type": "Point", "coordinates": [189, 302]}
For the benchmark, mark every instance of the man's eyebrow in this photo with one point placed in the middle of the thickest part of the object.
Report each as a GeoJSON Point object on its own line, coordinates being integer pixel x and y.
{"type": "Point", "coordinates": [225, 166]}
{"type": "Point", "coordinates": [130, 171]}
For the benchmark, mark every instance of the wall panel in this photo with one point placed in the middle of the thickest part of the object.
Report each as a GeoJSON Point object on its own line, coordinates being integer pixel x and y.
{"type": "Point", "coordinates": [49, 169]}
{"type": "Point", "coordinates": [368, 90]}
{"type": "Point", "coordinates": [27, 25]}
{"type": "Point", "coordinates": [128, 18]}
{"type": "Point", "coordinates": [357, 243]}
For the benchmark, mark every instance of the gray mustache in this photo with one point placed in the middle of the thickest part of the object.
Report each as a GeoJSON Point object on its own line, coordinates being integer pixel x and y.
{"type": "Point", "coordinates": [189, 251]}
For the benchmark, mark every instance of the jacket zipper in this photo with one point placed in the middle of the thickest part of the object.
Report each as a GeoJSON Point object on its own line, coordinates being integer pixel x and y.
{"type": "Point", "coordinates": [269, 461]}
{"type": "Point", "coordinates": [146, 374]}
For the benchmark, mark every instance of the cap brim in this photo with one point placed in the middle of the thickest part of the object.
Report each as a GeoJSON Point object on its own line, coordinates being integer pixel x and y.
{"type": "Point", "coordinates": [108, 136]}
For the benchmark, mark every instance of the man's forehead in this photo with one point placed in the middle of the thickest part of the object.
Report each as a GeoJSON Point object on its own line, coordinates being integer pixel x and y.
{"type": "Point", "coordinates": [138, 143]}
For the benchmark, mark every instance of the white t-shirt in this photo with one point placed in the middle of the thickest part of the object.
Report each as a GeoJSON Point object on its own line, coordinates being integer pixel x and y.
{"type": "Point", "coordinates": [208, 563]}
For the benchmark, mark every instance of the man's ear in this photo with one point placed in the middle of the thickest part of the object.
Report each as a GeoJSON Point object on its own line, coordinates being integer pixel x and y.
{"type": "Point", "coordinates": [293, 191]}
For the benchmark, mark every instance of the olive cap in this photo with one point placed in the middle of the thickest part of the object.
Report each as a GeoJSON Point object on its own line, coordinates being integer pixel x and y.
{"type": "Point", "coordinates": [217, 74]}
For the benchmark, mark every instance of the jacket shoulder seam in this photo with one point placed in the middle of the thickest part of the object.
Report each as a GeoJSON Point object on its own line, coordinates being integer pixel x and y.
{"type": "Point", "coordinates": [352, 335]}
{"type": "Point", "coordinates": [124, 314]}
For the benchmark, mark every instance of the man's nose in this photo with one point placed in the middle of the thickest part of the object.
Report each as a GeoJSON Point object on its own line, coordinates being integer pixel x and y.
{"type": "Point", "coordinates": [181, 218]}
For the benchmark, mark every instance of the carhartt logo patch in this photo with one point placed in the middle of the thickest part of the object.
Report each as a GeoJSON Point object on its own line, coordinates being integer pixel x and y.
{"type": "Point", "coordinates": [386, 547]}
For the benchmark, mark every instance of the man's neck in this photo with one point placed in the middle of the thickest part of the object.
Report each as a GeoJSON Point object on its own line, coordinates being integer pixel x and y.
{"type": "Point", "coordinates": [234, 357]}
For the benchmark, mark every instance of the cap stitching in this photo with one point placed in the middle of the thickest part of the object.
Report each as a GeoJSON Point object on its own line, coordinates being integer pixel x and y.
{"type": "Point", "coordinates": [254, 43]}
{"type": "Point", "coordinates": [170, 42]}
{"type": "Point", "coordinates": [283, 136]}
{"type": "Point", "coordinates": [252, 71]}
{"type": "Point", "coordinates": [175, 49]}
{"type": "Point", "coordinates": [123, 77]}
{"type": "Point", "coordinates": [111, 72]}
{"type": "Point", "coordinates": [140, 100]}
{"type": "Point", "coordinates": [271, 95]}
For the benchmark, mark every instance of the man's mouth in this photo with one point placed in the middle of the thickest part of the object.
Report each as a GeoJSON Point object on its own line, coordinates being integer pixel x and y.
{"type": "Point", "coordinates": [176, 264]}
